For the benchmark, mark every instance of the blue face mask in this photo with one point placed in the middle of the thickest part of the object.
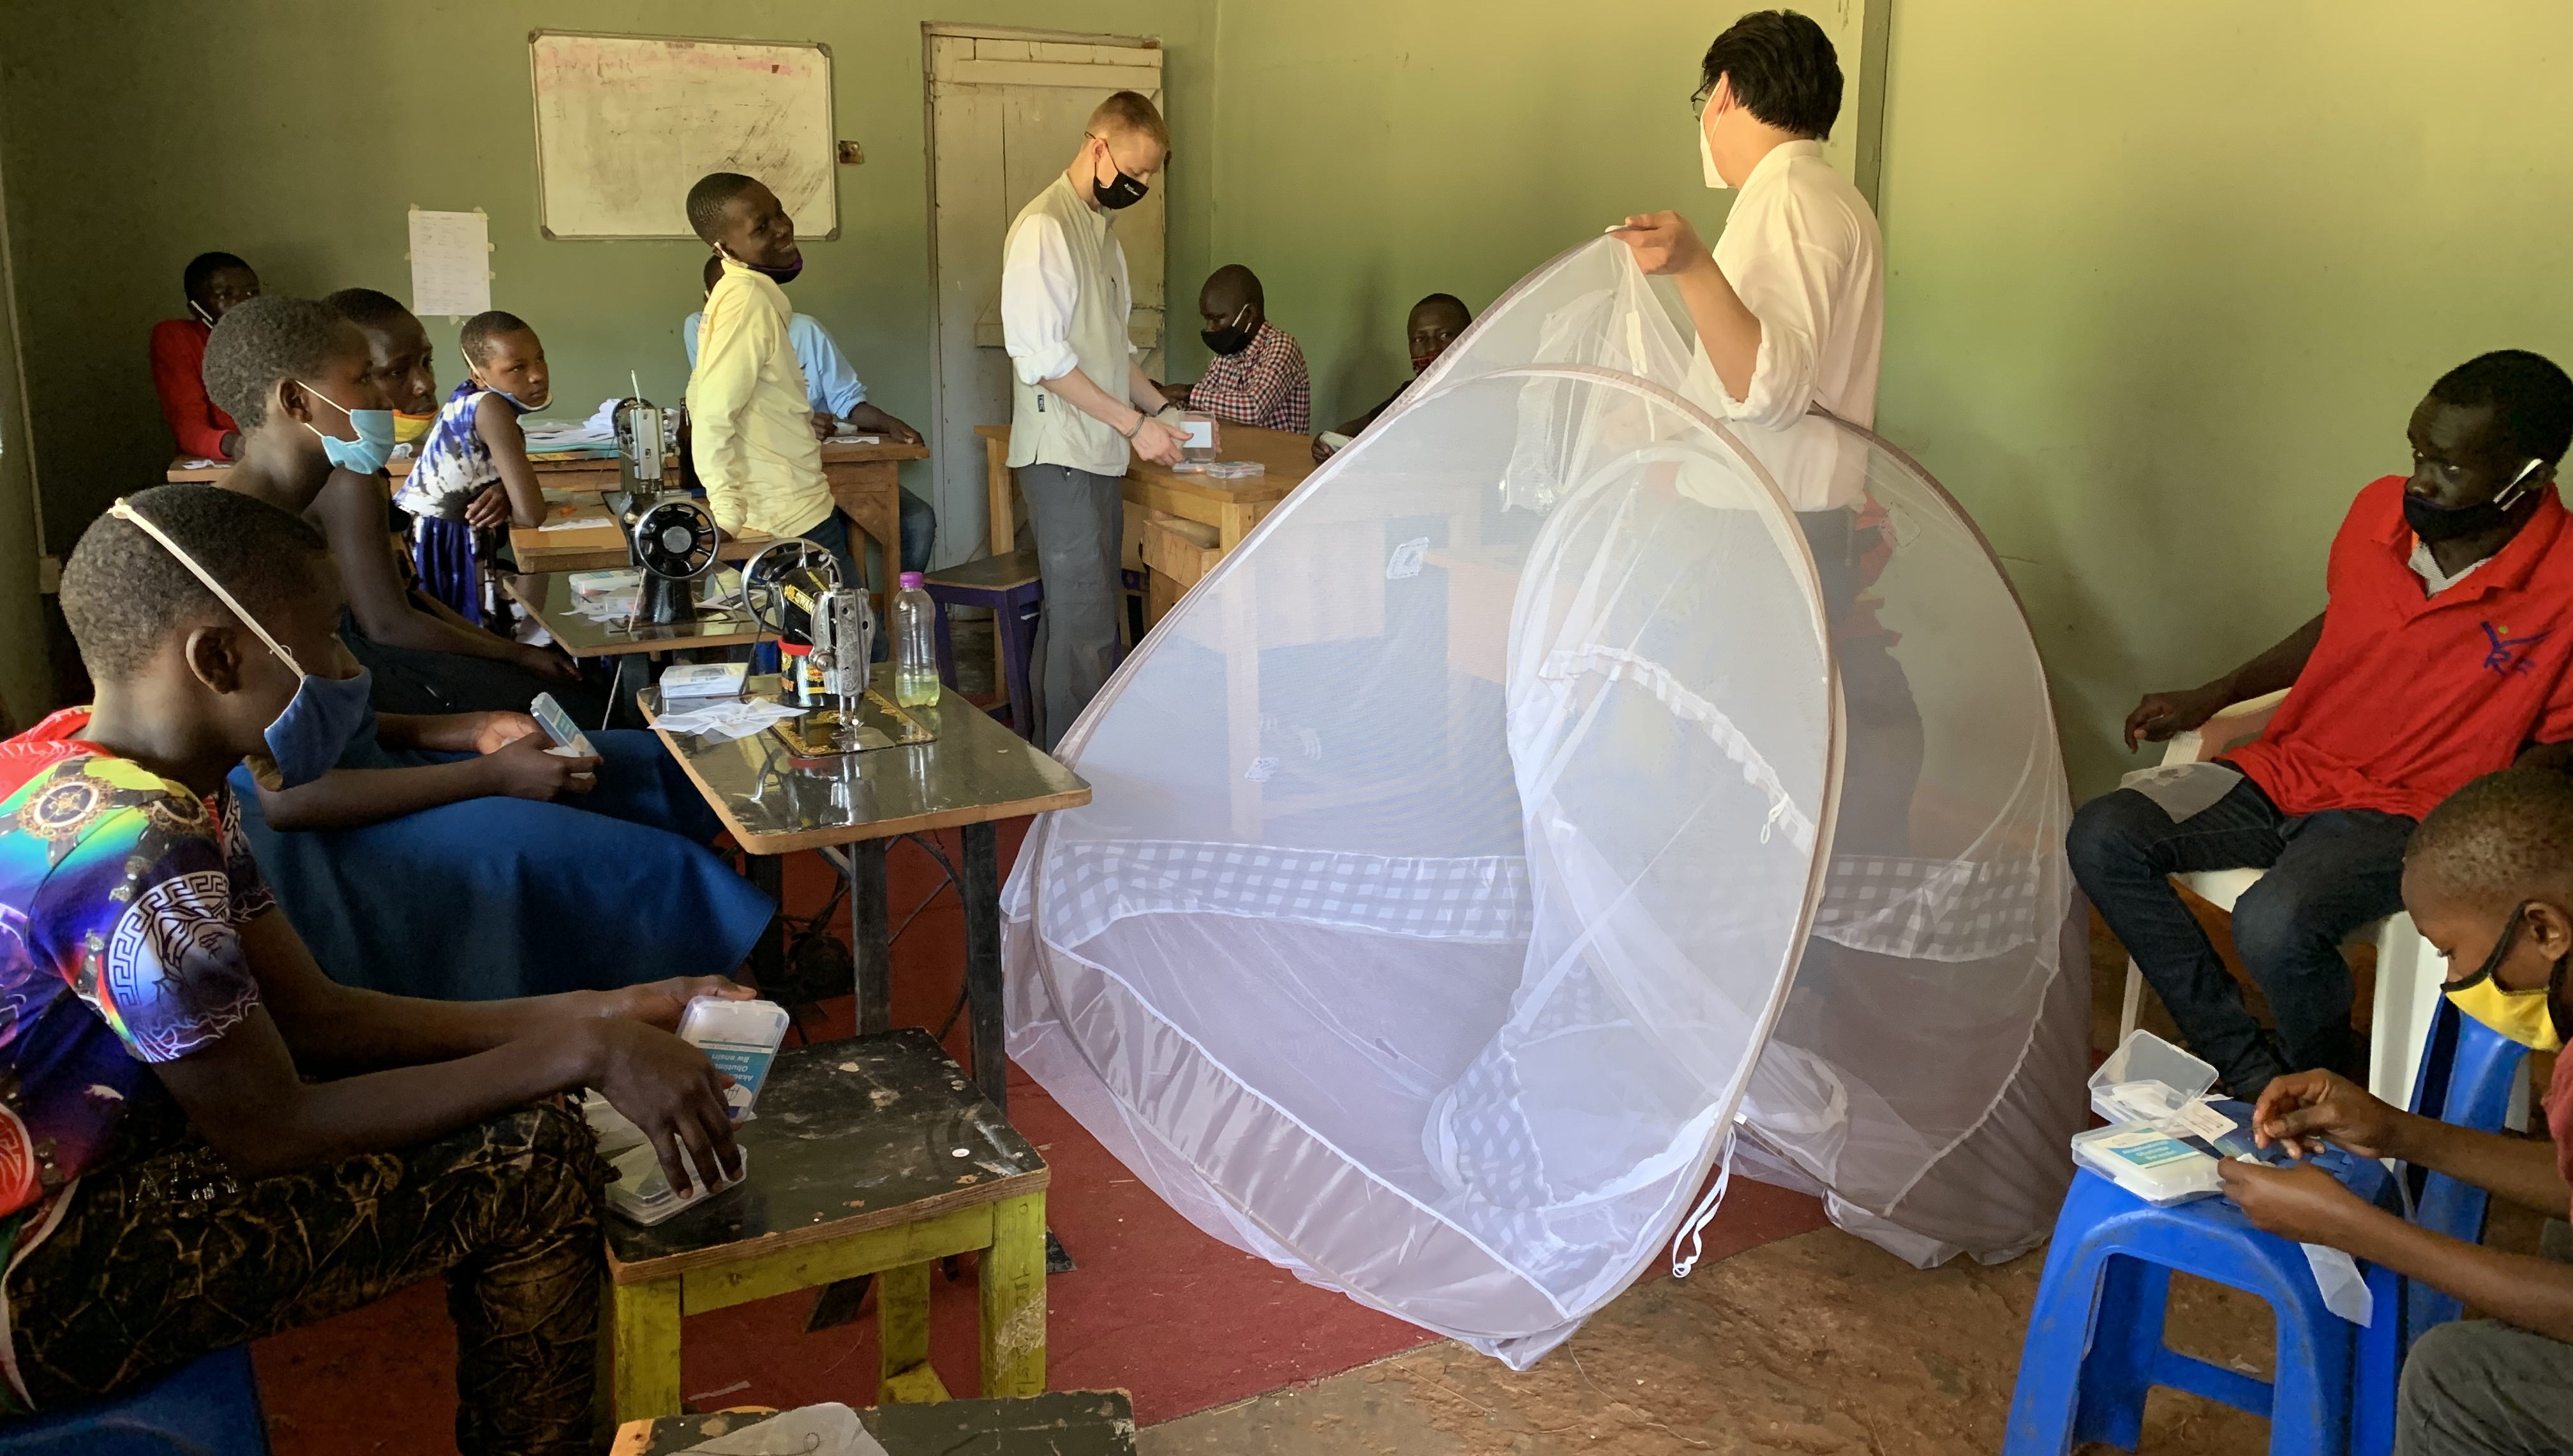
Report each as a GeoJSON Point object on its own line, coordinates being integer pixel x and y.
{"type": "Point", "coordinates": [373, 445]}
{"type": "Point", "coordinates": [305, 741]}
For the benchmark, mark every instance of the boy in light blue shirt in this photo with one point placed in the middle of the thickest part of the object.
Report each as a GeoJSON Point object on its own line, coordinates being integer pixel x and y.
{"type": "Point", "coordinates": [837, 394]}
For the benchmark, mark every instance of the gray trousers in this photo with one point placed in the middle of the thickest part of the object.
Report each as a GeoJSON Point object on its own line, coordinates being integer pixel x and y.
{"type": "Point", "coordinates": [2480, 1387]}
{"type": "Point", "coordinates": [1080, 524]}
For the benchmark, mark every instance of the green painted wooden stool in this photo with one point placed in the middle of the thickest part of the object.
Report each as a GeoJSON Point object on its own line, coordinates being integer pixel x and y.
{"type": "Point", "coordinates": [875, 1156]}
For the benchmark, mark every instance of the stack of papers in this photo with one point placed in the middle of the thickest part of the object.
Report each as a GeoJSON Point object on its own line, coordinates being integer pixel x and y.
{"type": "Point", "coordinates": [725, 720]}
{"type": "Point", "coordinates": [554, 437]}
{"type": "Point", "coordinates": [579, 520]}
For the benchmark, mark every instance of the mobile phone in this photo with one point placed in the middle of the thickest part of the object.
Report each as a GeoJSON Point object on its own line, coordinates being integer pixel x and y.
{"type": "Point", "coordinates": [569, 741]}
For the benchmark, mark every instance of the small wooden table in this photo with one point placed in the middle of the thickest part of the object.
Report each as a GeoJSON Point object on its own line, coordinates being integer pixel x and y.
{"type": "Point", "coordinates": [868, 1157]}
{"type": "Point", "coordinates": [1059, 1423]}
{"type": "Point", "coordinates": [1233, 507]}
{"type": "Point", "coordinates": [975, 774]}
{"type": "Point", "coordinates": [547, 596]}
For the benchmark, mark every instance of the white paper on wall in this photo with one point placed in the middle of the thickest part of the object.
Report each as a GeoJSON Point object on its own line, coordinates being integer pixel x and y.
{"type": "Point", "coordinates": [450, 270]}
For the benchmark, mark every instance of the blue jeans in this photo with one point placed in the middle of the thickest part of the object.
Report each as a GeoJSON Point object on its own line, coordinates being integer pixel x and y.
{"type": "Point", "coordinates": [2328, 873]}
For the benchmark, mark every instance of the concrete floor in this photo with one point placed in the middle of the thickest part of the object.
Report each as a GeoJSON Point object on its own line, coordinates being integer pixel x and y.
{"type": "Point", "coordinates": [1818, 1345]}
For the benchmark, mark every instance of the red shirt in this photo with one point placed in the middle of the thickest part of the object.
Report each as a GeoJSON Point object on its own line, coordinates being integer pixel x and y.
{"type": "Point", "coordinates": [179, 377]}
{"type": "Point", "coordinates": [2408, 696]}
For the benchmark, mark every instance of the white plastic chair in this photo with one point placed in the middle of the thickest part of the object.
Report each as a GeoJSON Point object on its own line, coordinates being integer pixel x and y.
{"type": "Point", "coordinates": [2408, 972]}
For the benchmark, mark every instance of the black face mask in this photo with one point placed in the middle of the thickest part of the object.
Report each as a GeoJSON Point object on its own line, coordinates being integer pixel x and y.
{"type": "Point", "coordinates": [1116, 195]}
{"type": "Point", "coordinates": [1232, 339]}
{"type": "Point", "coordinates": [2448, 523]}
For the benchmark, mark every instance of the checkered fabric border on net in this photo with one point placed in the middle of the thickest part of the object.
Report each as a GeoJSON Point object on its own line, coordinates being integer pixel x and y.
{"type": "Point", "coordinates": [1930, 910]}
{"type": "Point", "coordinates": [1088, 886]}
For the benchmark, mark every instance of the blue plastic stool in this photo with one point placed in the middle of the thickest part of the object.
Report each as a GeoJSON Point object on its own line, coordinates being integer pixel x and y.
{"type": "Point", "coordinates": [2094, 1342]}
{"type": "Point", "coordinates": [210, 1408]}
{"type": "Point", "coordinates": [1013, 588]}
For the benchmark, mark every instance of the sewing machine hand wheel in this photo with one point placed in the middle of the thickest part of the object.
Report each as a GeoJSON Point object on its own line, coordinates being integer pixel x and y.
{"type": "Point", "coordinates": [764, 573]}
{"type": "Point", "coordinates": [675, 538]}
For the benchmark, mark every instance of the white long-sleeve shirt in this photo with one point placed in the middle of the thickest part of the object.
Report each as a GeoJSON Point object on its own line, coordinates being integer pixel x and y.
{"type": "Point", "coordinates": [1803, 253]}
{"type": "Point", "coordinates": [1039, 287]}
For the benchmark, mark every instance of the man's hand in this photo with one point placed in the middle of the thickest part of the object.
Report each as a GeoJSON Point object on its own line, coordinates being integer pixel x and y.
{"type": "Point", "coordinates": [492, 732]}
{"type": "Point", "coordinates": [1321, 451]}
{"type": "Point", "coordinates": [230, 445]}
{"type": "Point", "coordinates": [526, 767]}
{"type": "Point", "coordinates": [2306, 1204]}
{"type": "Point", "coordinates": [871, 420]}
{"type": "Point", "coordinates": [1177, 396]}
{"type": "Point", "coordinates": [2302, 1109]}
{"type": "Point", "coordinates": [488, 510]}
{"type": "Point", "coordinates": [1159, 443]}
{"type": "Point", "coordinates": [823, 424]}
{"type": "Point", "coordinates": [1663, 242]}
{"type": "Point", "coordinates": [2160, 715]}
{"type": "Point", "coordinates": [662, 1003]}
{"type": "Point", "coordinates": [667, 1088]}
{"type": "Point", "coordinates": [548, 664]}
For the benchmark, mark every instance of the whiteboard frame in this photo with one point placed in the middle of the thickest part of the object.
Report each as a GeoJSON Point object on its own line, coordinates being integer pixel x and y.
{"type": "Point", "coordinates": [535, 114]}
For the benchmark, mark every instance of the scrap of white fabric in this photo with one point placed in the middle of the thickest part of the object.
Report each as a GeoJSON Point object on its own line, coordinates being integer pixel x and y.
{"type": "Point", "coordinates": [722, 722]}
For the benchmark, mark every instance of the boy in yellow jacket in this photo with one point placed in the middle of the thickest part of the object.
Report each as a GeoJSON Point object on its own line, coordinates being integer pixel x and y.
{"type": "Point", "coordinates": [752, 440]}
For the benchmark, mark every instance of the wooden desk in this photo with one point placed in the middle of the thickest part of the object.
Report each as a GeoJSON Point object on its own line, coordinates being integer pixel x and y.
{"type": "Point", "coordinates": [865, 476]}
{"type": "Point", "coordinates": [1233, 507]}
{"type": "Point", "coordinates": [1057, 1423]}
{"type": "Point", "coordinates": [868, 1157]}
{"type": "Point", "coordinates": [975, 774]}
{"type": "Point", "coordinates": [582, 471]}
{"type": "Point", "coordinates": [602, 547]}
{"type": "Point", "coordinates": [548, 598]}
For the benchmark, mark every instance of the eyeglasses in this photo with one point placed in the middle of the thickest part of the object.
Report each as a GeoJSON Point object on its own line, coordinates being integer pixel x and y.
{"type": "Point", "coordinates": [1698, 98]}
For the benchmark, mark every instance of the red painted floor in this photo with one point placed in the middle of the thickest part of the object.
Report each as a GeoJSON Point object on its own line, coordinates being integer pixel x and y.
{"type": "Point", "coordinates": [1156, 1307]}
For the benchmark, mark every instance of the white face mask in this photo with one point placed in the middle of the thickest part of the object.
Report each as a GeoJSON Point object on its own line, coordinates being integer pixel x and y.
{"type": "Point", "coordinates": [1706, 157]}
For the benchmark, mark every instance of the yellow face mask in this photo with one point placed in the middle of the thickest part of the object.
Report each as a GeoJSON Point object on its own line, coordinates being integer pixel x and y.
{"type": "Point", "coordinates": [409, 428]}
{"type": "Point", "coordinates": [2525, 1017]}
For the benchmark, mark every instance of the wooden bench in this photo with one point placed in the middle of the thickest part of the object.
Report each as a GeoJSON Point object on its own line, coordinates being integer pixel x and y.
{"type": "Point", "coordinates": [1178, 554]}
{"type": "Point", "coordinates": [874, 1156]}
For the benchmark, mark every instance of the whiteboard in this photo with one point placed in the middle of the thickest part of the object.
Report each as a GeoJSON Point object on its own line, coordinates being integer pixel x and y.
{"type": "Point", "coordinates": [626, 124]}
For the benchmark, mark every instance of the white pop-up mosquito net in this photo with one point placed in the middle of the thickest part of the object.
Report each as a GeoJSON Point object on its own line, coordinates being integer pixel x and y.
{"type": "Point", "coordinates": [1536, 801]}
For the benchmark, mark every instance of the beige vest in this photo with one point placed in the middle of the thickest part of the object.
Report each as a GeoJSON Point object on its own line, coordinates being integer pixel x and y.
{"type": "Point", "coordinates": [1044, 428]}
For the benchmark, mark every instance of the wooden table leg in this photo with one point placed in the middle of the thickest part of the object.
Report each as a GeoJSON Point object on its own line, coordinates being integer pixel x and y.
{"type": "Point", "coordinates": [981, 893]}
{"type": "Point", "coordinates": [871, 928]}
{"type": "Point", "coordinates": [644, 1342]}
{"type": "Point", "coordinates": [1014, 1299]}
{"type": "Point", "coordinates": [869, 493]}
{"type": "Point", "coordinates": [1003, 519]}
{"type": "Point", "coordinates": [902, 1333]}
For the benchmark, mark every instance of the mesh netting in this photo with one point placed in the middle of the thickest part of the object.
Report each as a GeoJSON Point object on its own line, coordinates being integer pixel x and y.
{"type": "Point", "coordinates": [1456, 843]}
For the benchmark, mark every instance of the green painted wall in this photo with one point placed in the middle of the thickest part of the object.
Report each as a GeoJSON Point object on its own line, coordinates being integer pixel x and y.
{"type": "Point", "coordinates": [297, 133]}
{"type": "Point", "coordinates": [1369, 154]}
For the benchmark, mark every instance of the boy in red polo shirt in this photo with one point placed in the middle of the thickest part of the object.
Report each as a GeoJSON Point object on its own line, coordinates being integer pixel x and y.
{"type": "Point", "coordinates": [214, 282]}
{"type": "Point", "coordinates": [2443, 653]}
{"type": "Point", "coordinates": [2489, 879]}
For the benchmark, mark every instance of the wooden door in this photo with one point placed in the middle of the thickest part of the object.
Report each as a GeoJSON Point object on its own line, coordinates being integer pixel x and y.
{"type": "Point", "coordinates": [1006, 111]}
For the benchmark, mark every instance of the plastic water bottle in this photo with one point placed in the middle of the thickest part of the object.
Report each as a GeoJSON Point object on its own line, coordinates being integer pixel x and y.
{"type": "Point", "coordinates": [915, 645]}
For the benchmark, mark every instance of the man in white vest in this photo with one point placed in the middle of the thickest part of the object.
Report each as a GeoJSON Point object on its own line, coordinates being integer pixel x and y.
{"type": "Point", "coordinates": [1081, 402]}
